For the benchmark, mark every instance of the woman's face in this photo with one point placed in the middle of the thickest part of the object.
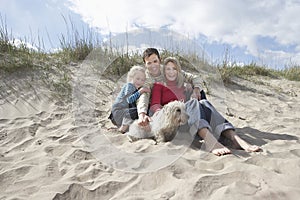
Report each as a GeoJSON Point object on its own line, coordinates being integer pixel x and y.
{"type": "Point", "coordinates": [171, 71]}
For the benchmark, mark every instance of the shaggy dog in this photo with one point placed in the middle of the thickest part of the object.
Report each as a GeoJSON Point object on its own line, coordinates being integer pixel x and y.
{"type": "Point", "coordinates": [164, 124]}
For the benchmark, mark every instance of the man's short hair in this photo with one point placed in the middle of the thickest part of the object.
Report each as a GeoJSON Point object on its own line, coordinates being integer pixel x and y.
{"type": "Point", "coordinates": [149, 51]}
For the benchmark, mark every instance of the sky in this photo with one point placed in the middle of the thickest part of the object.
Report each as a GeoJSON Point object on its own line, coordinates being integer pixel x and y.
{"type": "Point", "coordinates": [260, 31]}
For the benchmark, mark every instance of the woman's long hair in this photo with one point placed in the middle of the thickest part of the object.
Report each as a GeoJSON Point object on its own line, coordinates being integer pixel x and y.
{"type": "Point", "coordinates": [180, 78]}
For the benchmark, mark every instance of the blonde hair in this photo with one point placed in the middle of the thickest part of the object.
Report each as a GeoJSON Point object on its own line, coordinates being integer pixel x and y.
{"type": "Point", "coordinates": [133, 70]}
{"type": "Point", "coordinates": [180, 78]}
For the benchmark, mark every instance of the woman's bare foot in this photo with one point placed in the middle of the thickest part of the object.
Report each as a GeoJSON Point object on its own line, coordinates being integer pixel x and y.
{"type": "Point", "coordinates": [212, 144]}
{"type": "Point", "coordinates": [252, 148]}
{"type": "Point", "coordinates": [240, 143]}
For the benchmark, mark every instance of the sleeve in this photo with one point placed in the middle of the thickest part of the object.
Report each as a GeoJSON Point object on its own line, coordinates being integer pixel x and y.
{"type": "Point", "coordinates": [143, 103]}
{"type": "Point", "coordinates": [130, 93]}
{"type": "Point", "coordinates": [193, 79]}
{"type": "Point", "coordinates": [134, 97]}
{"type": "Point", "coordinates": [156, 98]}
{"type": "Point", "coordinates": [143, 100]}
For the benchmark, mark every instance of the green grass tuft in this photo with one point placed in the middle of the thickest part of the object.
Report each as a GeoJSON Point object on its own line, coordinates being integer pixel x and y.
{"type": "Point", "coordinates": [75, 47]}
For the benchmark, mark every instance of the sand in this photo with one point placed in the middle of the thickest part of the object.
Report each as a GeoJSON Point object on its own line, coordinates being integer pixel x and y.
{"type": "Point", "coordinates": [52, 148]}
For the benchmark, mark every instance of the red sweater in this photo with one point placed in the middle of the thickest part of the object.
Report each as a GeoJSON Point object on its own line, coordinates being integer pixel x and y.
{"type": "Point", "coordinates": [162, 94]}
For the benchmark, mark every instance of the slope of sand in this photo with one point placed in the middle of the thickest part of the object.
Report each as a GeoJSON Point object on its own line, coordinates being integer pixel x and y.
{"type": "Point", "coordinates": [56, 149]}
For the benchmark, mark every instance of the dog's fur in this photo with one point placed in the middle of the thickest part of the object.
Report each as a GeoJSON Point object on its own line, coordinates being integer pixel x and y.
{"type": "Point", "coordinates": [164, 124]}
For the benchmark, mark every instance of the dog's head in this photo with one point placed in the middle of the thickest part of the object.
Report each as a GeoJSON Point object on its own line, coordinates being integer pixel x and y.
{"type": "Point", "coordinates": [175, 113]}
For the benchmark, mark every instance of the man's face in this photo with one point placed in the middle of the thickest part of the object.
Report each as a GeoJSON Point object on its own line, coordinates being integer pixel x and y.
{"type": "Point", "coordinates": [152, 63]}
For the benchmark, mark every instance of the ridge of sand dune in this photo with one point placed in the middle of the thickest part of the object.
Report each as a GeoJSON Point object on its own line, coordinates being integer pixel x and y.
{"type": "Point", "coordinates": [48, 151]}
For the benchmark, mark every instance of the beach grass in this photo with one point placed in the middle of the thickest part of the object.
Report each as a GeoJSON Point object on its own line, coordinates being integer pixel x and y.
{"type": "Point", "coordinates": [75, 47]}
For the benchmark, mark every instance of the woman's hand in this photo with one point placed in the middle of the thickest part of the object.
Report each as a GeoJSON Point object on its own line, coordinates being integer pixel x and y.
{"type": "Point", "coordinates": [188, 87]}
{"type": "Point", "coordinates": [196, 94]}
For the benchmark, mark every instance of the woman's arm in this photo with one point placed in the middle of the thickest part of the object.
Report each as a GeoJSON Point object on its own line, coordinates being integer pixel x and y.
{"type": "Point", "coordinates": [156, 97]}
{"type": "Point", "coordinates": [196, 82]}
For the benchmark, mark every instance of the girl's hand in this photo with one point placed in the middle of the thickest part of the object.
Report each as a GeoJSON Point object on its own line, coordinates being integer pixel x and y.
{"type": "Point", "coordinates": [144, 90]}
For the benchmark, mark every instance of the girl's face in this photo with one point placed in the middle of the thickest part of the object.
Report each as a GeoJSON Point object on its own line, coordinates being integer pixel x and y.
{"type": "Point", "coordinates": [139, 79]}
{"type": "Point", "coordinates": [171, 71]}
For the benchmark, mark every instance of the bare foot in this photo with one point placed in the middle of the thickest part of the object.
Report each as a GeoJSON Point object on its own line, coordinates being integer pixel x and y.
{"type": "Point", "coordinates": [123, 129]}
{"type": "Point", "coordinates": [212, 144]}
{"type": "Point", "coordinates": [240, 143]}
{"type": "Point", "coordinates": [253, 148]}
{"type": "Point", "coordinates": [220, 150]}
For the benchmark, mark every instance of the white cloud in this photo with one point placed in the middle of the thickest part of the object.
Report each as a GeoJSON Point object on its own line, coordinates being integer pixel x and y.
{"type": "Point", "coordinates": [19, 43]}
{"type": "Point", "coordinates": [275, 57]}
{"type": "Point", "coordinates": [235, 22]}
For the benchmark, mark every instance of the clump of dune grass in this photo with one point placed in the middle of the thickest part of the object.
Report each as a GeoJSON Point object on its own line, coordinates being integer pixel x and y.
{"type": "Point", "coordinates": [20, 60]}
{"type": "Point", "coordinates": [54, 67]}
{"type": "Point", "coordinates": [291, 73]}
{"type": "Point", "coordinates": [12, 57]}
{"type": "Point", "coordinates": [227, 72]}
{"type": "Point", "coordinates": [76, 46]}
{"type": "Point", "coordinates": [252, 69]}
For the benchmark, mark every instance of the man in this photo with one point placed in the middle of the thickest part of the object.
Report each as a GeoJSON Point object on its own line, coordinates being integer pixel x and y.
{"type": "Point", "coordinates": [154, 74]}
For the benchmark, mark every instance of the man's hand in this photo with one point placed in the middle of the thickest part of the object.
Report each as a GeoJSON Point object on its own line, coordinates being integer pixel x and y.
{"type": "Point", "coordinates": [196, 94]}
{"type": "Point", "coordinates": [143, 119]}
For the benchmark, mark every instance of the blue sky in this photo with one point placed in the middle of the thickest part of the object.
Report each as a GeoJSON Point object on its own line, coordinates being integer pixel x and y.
{"type": "Point", "coordinates": [265, 32]}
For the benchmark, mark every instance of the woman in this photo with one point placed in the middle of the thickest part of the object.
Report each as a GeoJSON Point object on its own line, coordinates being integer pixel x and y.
{"type": "Point", "coordinates": [209, 124]}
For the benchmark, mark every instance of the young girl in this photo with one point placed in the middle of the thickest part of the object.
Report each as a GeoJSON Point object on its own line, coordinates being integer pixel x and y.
{"type": "Point", "coordinates": [124, 109]}
{"type": "Point", "coordinates": [209, 124]}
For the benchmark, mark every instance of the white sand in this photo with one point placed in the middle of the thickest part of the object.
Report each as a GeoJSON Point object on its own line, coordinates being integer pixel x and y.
{"type": "Point", "coordinates": [51, 149]}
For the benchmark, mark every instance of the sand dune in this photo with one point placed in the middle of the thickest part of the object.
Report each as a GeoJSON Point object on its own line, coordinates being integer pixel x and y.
{"type": "Point", "coordinates": [60, 149]}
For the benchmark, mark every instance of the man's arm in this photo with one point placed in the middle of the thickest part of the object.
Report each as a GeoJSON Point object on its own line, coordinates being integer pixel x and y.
{"type": "Point", "coordinates": [143, 104]}
{"type": "Point", "coordinates": [142, 107]}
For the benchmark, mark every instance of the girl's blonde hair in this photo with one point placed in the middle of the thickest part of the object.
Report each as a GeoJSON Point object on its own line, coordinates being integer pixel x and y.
{"type": "Point", "coordinates": [133, 71]}
{"type": "Point", "coordinates": [180, 78]}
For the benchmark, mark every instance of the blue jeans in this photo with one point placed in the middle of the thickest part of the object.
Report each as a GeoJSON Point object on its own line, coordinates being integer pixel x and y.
{"type": "Point", "coordinates": [202, 114]}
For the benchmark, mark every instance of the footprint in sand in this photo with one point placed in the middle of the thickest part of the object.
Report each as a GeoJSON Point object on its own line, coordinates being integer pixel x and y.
{"type": "Point", "coordinates": [10, 176]}
{"type": "Point", "coordinates": [78, 155]}
{"type": "Point", "coordinates": [3, 135]}
{"type": "Point", "coordinates": [52, 169]}
{"type": "Point", "coordinates": [208, 185]}
{"type": "Point", "coordinates": [68, 139]}
{"type": "Point", "coordinates": [296, 152]}
{"type": "Point", "coordinates": [33, 128]}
